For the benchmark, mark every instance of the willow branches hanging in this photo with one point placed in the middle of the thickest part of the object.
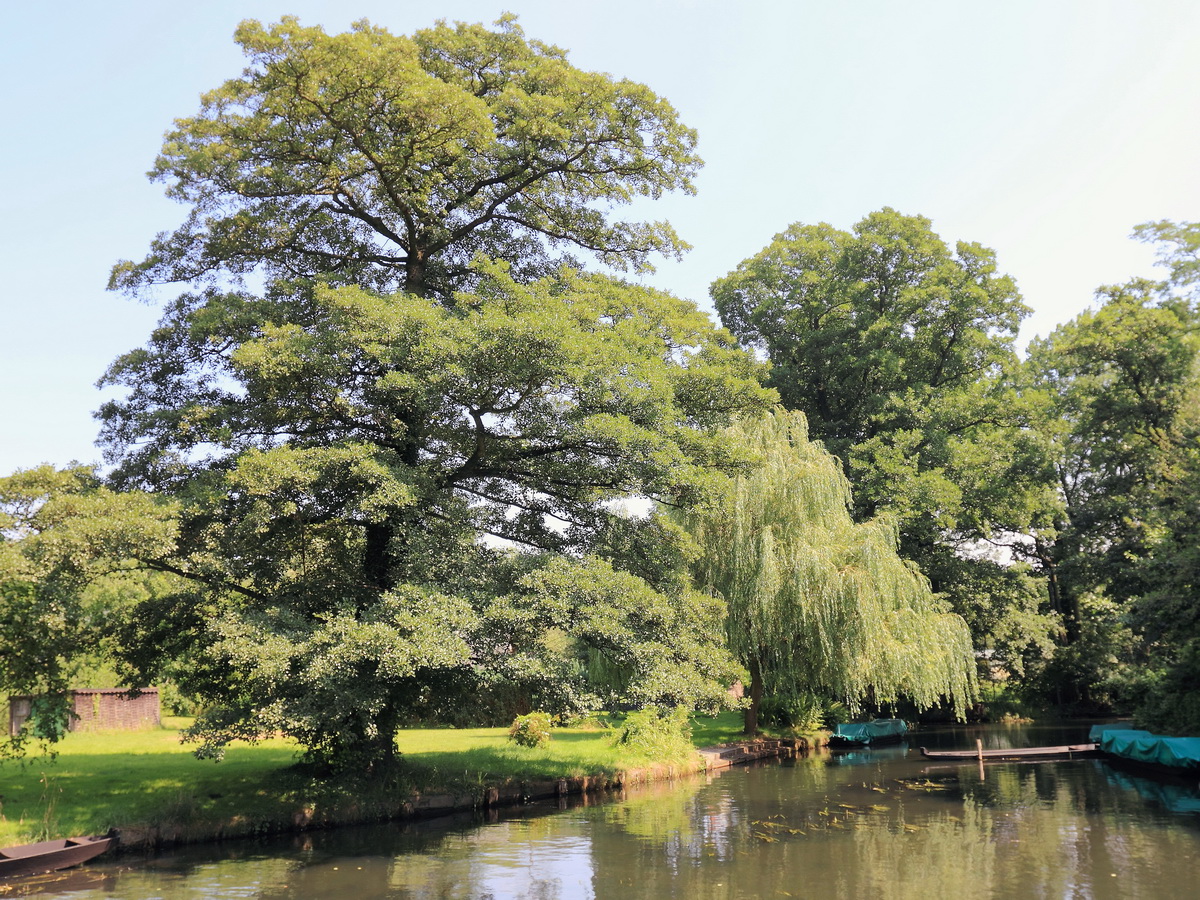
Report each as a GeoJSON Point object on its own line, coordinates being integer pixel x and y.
{"type": "Point", "coordinates": [817, 603]}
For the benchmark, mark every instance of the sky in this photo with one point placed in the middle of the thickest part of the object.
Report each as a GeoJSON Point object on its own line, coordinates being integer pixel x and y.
{"type": "Point", "coordinates": [1045, 130]}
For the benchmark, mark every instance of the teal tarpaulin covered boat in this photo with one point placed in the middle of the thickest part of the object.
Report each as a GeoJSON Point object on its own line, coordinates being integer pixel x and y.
{"type": "Point", "coordinates": [866, 734]}
{"type": "Point", "coordinates": [1177, 754]}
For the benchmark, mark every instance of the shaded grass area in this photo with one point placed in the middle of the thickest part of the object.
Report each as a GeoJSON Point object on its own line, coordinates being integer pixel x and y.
{"type": "Point", "coordinates": [727, 728]}
{"type": "Point", "coordinates": [148, 779]}
{"type": "Point", "coordinates": [710, 731]}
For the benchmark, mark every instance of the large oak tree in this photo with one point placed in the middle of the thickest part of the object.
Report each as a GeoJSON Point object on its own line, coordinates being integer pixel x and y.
{"type": "Point", "coordinates": [398, 428]}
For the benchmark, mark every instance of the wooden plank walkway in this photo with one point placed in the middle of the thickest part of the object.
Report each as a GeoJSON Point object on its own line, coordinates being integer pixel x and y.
{"type": "Point", "coordinates": [732, 754]}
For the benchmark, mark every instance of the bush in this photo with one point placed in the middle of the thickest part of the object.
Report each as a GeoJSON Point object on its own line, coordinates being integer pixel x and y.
{"type": "Point", "coordinates": [532, 730]}
{"type": "Point", "coordinates": [173, 702]}
{"type": "Point", "coordinates": [584, 722]}
{"type": "Point", "coordinates": [661, 734]}
{"type": "Point", "coordinates": [799, 711]}
{"type": "Point", "coordinates": [1168, 699]}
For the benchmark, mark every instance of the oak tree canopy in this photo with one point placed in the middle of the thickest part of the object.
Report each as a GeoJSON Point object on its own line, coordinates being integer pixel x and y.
{"type": "Point", "coordinates": [388, 161]}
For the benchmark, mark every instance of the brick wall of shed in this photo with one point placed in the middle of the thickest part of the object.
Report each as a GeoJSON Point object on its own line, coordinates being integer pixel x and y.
{"type": "Point", "coordinates": [113, 710]}
{"type": "Point", "coordinates": [98, 710]}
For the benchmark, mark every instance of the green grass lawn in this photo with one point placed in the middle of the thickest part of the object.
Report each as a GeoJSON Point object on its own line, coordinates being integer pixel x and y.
{"type": "Point", "coordinates": [119, 779]}
{"type": "Point", "coordinates": [709, 731]}
{"type": "Point", "coordinates": [148, 778]}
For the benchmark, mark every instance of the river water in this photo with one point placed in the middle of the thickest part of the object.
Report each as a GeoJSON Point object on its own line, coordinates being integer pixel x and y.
{"type": "Point", "coordinates": [878, 824]}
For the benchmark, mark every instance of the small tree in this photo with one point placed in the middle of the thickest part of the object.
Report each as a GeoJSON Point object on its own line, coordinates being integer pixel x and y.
{"type": "Point", "coordinates": [817, 603]}
{"type": "Point", "coordinates": [71, 552]}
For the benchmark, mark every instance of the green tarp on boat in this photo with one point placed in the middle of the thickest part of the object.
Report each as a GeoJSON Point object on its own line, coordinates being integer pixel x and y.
{"type": "Point", "coordinates": [867, 733]}
{"type": "Point", "coordinates": [1180, 753]}
{"type": "Point", "coordinates": [1098, 731]}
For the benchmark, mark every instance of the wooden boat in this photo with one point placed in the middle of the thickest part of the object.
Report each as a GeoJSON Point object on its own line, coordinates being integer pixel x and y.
{"type": "Point", "coordinates": [50, 856]}
{"type": "Point", "coordinates": [1070, 751]}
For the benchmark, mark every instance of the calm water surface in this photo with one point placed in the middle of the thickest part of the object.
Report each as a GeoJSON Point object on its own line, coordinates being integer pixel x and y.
{"type": "Point", "coordinates": [881, 824]}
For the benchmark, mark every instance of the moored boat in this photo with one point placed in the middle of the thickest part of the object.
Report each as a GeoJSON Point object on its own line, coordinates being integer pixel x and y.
{"type": "Point", "coordinates": [50, 856]}
{"type": "Point", "coordinates": [1068, 751]}
{"type": "Point", "coordinates": [1177, 755]}
{"type": "Point", "coordinates": [868, 734]}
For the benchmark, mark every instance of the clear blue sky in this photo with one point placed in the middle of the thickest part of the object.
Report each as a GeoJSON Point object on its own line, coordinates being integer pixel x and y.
{"type": "Point", "coordinates": [1045, 130]}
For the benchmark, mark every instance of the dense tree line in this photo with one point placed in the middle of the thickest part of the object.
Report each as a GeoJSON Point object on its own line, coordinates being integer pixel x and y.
{"type": "Point", "coordinates": [1077, 464]}
{"type": "Point", "coordinates": [1114, 400]}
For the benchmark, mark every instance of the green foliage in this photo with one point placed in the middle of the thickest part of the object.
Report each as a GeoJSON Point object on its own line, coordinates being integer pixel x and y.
{"type": "Point", "coordinates": [1005, 606]}
{"type": "Point", "coordinates": [390, 161]}
{"type": "Point", "coordinates": [1178, 250]}
{"type": "Point", "coordinates": [581, 384]}
{"type": "Point", "coordinates": [895, 349]}
{"type": "Point", "coordinates": [338, 478]}
{"type": "Point", "coordinates": [1169, 697]}
{"type": "Point", "coordinates": [796, 709]}
{"type": "Point", "coordinates": [72, 553]}
{"type": "Point", "coordinates": [49, 717]}
{"type": "Point", "coordinates": [657, 732]}
{"type": "Point", "coordinates": [818, 604]}
{"type": "Point", "coordinates": [1117, 391]}
{"type": "Point", "coordinates": [1009, 703]}
{"type": "Point", "coordinates": [531, 730]}
{"type": "Point", "coordinates": [174, 702]}
{"type": "Point", "coordinates": [899, 351]}
{"type": "Point", "coordinates": [1096, 671]}
{"type": "Point", "coordinates": [1114, 380]}
{"type": "Point", "coordinates": [666, 644]}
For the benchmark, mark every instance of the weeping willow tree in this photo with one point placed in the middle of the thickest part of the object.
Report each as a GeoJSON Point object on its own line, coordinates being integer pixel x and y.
{"type": "Point", "coordinates": [818, 605]}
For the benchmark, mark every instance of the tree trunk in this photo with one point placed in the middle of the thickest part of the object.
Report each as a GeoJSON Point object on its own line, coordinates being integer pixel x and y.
{"type": "Point", "coordinates": [1066, 605]}
{"type": "Point", "coordinates": [414, 272]}
{"type": "Point", "coordinates": [756, 691]}
{"type": "Point", "coordinates": [382, 751]}
{"type": "Point", "coordinates": [375, 555]}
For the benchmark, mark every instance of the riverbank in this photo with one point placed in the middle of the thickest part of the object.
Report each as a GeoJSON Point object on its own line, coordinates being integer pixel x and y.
{"type": "Point", "coordinates": [149, 787]}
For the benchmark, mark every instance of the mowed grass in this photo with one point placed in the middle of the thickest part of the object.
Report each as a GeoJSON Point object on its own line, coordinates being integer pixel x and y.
{"type": "Point", "coordinates": [146, 779]}
{"type": "Point", "coordinates": [127, 779]}
{"type": "Point", "coordinates": [709, 731]}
